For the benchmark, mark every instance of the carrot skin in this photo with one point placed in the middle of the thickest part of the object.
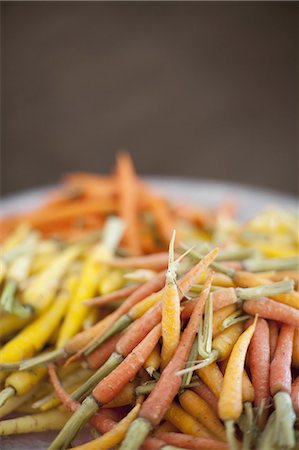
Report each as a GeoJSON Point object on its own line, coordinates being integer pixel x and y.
{"type": "Point", "coordinates": [116, 295]}
{"type": "Point", "coordinates": [155, 406]}
{"type": "Point", "coordinates": [113, 383]}
{"type": "Point", "coordinates": [99, 356]}
{"type": "Point", "coordinates": [273, 336]}
{"type": "Point", "coordinates": [204, 392]}
{"type": "Point", "coordinates": [295, 395]}
{"type": "Point", "coordinates": [270, 309]}
{"type": "Point", "coordinates": [280, 369]}
{"type": "Point", "coordinates": [259, 361]}
{"type": "Point", "coordinates": [191, 442]}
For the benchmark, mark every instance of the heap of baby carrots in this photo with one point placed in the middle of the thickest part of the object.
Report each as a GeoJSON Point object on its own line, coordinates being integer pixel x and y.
{"type": "Point", "coordinates": [150, 323]}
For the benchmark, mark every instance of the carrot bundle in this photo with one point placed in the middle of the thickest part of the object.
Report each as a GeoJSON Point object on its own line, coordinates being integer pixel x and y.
{"type": "Point", "coordinates": [122, 315]}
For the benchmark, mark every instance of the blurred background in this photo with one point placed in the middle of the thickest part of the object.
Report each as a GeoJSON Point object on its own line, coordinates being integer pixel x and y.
{"type": "Point", "coordinates": [204, 90]}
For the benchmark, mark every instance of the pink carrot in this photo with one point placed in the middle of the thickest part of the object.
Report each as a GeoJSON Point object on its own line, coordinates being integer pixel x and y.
{"type": "Point", "coordinates": [113, 383]}
{"type": "Point", "coordinates": [280, 369]}
{"type": "Point", "coordinates": [270, 309]}
{"type": "Point", "coordinates": [155, 261]}
{"type": "Point", "coordinates": [191, 442]}
{"type": "Point", "coordinates": [259, 358]}
{"type": "Point", "coordinates": [116, 295]}
{"type": "Point", "coordinates": [273, 336]}
{"type": "Point", "coordinates": [295, 395]}
{"type": "Point", "coordinates": [206, 394]}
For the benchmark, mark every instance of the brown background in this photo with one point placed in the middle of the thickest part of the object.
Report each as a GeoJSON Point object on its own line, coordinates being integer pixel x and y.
{"type": "Point", "coordinates": [197, 89]}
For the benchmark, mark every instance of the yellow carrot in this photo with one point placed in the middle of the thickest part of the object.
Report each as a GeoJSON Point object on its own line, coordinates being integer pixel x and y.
{"type": "Point", "coordinates": [153, 361]}
{"type": "Point", "coordinates": [114, 436]}
{"type": "Point", "coordinates": [211, 375]}
{"type": "Point", "coordinates": [230, 401]}
{"type": "Point", "coordinates": [185, 422]}
{"type": "Point", "coordinates": [113, 281]}
{"type": "Point", "coordinates": [10, 324]}
{"type": "Point", "coordinates": [43, 289]}
{"type": "Point", "coordinates": [198, 408]}
{"type": "Point", "coordinates": [171, 322]}
{"type": "Point", "coordinates": [50, 420]}
{"type": "Point", "coordinates": [92, 272]}
{"type": "Point", "coordinates": [220, 315]}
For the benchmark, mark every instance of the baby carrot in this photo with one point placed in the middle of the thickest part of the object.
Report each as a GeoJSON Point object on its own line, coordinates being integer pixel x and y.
{"type": "Point", "coordinates": [45, 421]}
{"type": "Point", "coordinates": [153, 361]}
{"type": "Point", "coordinates": [128, 201]}
{"type": "Point", "coordinates": [295, 395]}
{"type": "Point", "coordinates": [282, 420]}
{"type": "Point", "coordinates": [273, 336]}
{"type": "Point", "coordinates": [171, 322]}
{"type": "Point", "coordinates": [185, 422]}
{"type": "Point", "coordinates": [114, 436]}
{"type": "Point", "coordinates": [155, 261]}
{"type": "Point", "coordinates": [162, 215]}
{"type": "Point", "coordinates": [295, 356]}
{"type": "Point", "coordinates": [211, 375]}
{"type": "Point", "coordinates": [112, 296]}
{"type": "Point", "coordinates": [259, 361]}
{"type": "Point", "coordinates": [206, 394]}
{"type": "Point", "coordinates": [269, 309]}
{"type": "Point", "coordinates": [198, 408]}
{"type": "Point", "coordinates": [155, 406]}
{"type": "Point", "coordinates": [191, 442]}
{"type": "Point", "coordinates": [108, 388]}
{"type": "Point", "coordinates": [230, 401]}
{"type": "Point", "coordinates": [220, 315]}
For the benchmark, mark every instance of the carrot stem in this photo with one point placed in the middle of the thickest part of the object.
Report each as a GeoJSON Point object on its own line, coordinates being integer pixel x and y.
{"type": "Point", "coordinates": [265, 290]}
{"type": "Point", "coordinates": [75, 424]}
{"type": "Point", "coordinates": [42, 359]}
{"type": "Point", "coordinates": [139, 430]}
{"type": "Point", "coordinates": [263, 265]}
{"type": "Point", "coordinates": [7, 393]}
{"type": "Point", "coordinates": [284, 433]}
{"type": "Point", "coordinates": [230, 434]}
{"type": "Point", "coordinates": [85, 389]}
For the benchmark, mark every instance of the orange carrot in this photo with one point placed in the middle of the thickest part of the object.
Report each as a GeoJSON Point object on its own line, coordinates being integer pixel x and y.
{"type": "Point", "coordinates": [108, 388]}
{"type": "Point", "coordinates": [273, 336]}
{"type": "Point", "coordinates": [97, 358]}
{"type": "Point", "coordinates": [259, 359]}
{"type": "Point", "coordinates": [162, 215]}
{"type": "Point", "coordinates": [157, 403]}
{"type": "Point", "coordinates": [191, 442]}
{"type": "Point", "coordinates": [280, 369]}
{"type": "Point", "coordinates": [128, 201]}
{"type": "Point", "coordinates": [270, 309]}
{"type": "Point", "coordinates": [155, 261]}
{"type": "Point", "coordinates": [295, 395]}
{"type": "Point", "coordinates": [115, 295]}
{"type": "Point", "coordinates": [204, 392]}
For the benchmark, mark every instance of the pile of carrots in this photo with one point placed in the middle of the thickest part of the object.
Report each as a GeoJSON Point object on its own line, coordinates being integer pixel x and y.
{"type": "Point", "coordinates": [149, 323]}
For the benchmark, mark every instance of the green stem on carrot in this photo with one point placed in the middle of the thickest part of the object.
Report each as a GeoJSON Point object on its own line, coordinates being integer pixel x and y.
{"type": "Point", "coordinates": [230, 434]}
{"type": "Point", "coordinates": [203, 363]}
{"type": "Point", "coordinates": [262, 265]}
{"type": "Point", "coordinates": [188, 376]}
{"type": "Point", "coordinates": [8, 295]}
{"type": "Point", "coordinates": [247, 425]}
{"type": "Point", "coordinates": [136, 435]}
{"type": "Point", "coordinates": [122, 323]}
{"type": "Point", "coordinates": [85, 389]}
{"type": "Point", "coordinates": [77, 421]}
{"type": "Point", "coordinates": [214, 265]}
{"type": "Point", "coordinates": [284, 434]}
{"type": "Point", "coordinates": [233, 318]}
{"type": "Point", "coordinates": [42, 359]}
{"type": "Point", "coordinates": [7, 393]}
{"type": "Point", "coordinates": [266, 439]}
{"type": "Point", "coordinates": [265, 290]}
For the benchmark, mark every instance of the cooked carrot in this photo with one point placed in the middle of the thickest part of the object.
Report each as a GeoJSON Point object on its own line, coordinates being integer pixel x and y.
{"type": "Point", "coordinates": [230, 400]}
{"type": "Point", "coordinates": [295, 357]}
{"type": "Point", "coordinates": [295, 395]}
{"type": "Point", "coordinates": [198, 408]}
{"type": "Point", "coordinates": [155, 406]}
{"type": "Point", "coordinates": [191, 442]}
{"type": "Point", "coordinates": [128, 201]}
{"type": "Point", "coordinates": [269, 309]}
{"type": "Point", "coordinates": [273, 336]}
{"type": "Point", "coordinates": [259, 361]}
{"type": "Point", "coordinates": [108, 388]}
{"type": "Point", "coordinates": [171, 321]}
